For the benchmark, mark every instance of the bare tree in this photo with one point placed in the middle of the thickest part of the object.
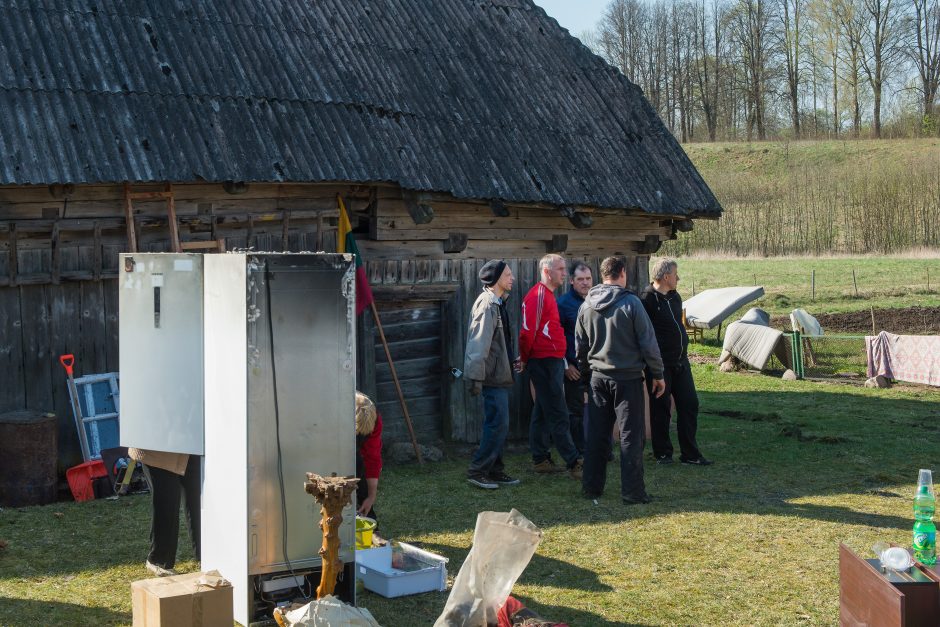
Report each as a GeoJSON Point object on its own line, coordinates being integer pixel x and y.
{"type": "Point", "coordinates": [926, 52]}
{"type": "Point", "coordinates": [883, 48]}
{"type": "Point", "coordinates": [852, 21]}
{"type": "Point", "coordinates": [791, 17]}
{"type": "Point", "coordinates": [709, 44]}
{"type": "Point", "coordinates": [829, 33]}
{"type": "Point", "coordinates": [750, 27]}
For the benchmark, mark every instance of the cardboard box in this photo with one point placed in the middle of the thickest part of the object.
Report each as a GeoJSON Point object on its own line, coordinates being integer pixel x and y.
{"type": "Point", "coordinates": [193, 600]}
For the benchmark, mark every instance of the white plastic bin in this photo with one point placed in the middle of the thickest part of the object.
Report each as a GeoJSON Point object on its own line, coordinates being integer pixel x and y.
{"type": "Point", "coordinates": [374, 568]}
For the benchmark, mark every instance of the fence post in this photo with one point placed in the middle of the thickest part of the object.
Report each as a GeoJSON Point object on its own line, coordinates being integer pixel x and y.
{"type": "Point", "coordinates": [854, 282]}
{"type": "Point", "coordinates": [813, 282]}
{"type": "Point", "coordinates": [796, 350]}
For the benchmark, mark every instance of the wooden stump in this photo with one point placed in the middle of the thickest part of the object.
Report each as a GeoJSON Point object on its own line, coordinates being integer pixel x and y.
{"type": "Point", "coordinates": [333, 494]}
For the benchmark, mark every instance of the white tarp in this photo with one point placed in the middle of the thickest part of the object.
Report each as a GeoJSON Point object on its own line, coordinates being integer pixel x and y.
{"type": "Point", "coordinates": [752, 341]}
{"type": "Point", "coordinates": [710, 308]}
{"type": "Point", "coordinates": [806, 324]}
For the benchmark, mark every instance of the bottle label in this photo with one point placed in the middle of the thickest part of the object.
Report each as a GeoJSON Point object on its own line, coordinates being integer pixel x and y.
{"type": "Point", "coordinates": [925, 541]}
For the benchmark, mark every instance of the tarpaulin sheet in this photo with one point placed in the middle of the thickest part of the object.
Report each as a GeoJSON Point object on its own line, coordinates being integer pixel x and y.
{"type": "Point", "coordinates": [751, 343]}
{"type": "Point", "coordinates": [911, 358]}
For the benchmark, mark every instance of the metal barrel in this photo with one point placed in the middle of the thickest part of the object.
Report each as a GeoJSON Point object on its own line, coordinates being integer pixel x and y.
{"type": "Point", "coordinates": [28, 458]}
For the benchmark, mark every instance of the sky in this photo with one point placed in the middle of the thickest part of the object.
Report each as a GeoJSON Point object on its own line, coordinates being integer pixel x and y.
{"type": "Point", "coordinates": [575, 15]}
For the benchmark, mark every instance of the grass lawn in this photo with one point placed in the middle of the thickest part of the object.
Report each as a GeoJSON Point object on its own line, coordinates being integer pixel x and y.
{"type": "Point", "coordinates": [800, 467]}
{"type": "Point", "coordinates": [883, 281]}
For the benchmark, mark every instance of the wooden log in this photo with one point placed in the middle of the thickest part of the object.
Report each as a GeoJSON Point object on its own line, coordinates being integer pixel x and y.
{"type": "Point", "coordinates": [558, 244]}
{"type": "Point", "coordinates": [455, 243]}
{"type": "Point", "coordinates": [417, 207]}
{"type": "Point", "coordinates": [333, 494]}
{"type": "Point", "coordinates": [417, 291]}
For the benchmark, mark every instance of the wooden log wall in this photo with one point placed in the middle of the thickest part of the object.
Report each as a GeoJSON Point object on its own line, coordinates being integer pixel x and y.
{"type": "Point", "coordinates": [58, 264]}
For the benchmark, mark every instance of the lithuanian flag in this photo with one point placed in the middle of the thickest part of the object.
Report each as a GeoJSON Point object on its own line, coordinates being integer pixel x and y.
{"type": "Point", "coordinates": [346, 243]}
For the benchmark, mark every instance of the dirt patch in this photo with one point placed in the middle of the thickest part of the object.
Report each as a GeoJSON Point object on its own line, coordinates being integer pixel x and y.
{"type": "Point", "coordinates": [906, 321]}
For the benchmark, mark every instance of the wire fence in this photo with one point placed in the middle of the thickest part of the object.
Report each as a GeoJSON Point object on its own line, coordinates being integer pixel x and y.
{"type": "Point", "coordinates": [833, 356]}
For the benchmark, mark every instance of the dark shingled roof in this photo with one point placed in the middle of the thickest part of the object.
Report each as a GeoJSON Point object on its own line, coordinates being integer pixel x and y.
{"type": "Point", "coordinates": [479, 99]}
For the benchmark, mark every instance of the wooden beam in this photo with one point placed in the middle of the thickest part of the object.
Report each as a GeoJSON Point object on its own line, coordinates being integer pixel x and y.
{"type": "Point", "coordinates": [498, 207]}
{"type": "Point", "coordinates": [558, 244]}
{"type": "Point", "coordinates": [13, 254]}
{"type": "Point", "coordinates": [650, 245]}
{"type": "Point", "coordinates": [97, 263]}
{"type": "Point", "coordinates": [455, 243]}
{"type": "Point", "coordinates": [174, 226]}
{"type": "Point", "coordinates": [285, 230]}
{"type": "Point", "coordinates": [56, 254]}
{"type": "Point", "coordinates": [414, 291]}
{"type": "Point", "coordinates": [418, 209]}
{"type": "Point", "coordinates": [129, 220]}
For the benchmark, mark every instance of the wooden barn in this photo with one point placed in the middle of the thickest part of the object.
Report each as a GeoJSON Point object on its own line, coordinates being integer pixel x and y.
{"type": "Point", "coordinates": [455, 131]}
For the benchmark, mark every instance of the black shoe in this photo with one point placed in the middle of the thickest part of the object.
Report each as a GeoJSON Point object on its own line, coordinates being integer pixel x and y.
{"type": "Point", "coordinates": [699, 461]}
{"type": "Point", "coordinates": [590, 495]}
{"type": "Point", "coordinates": [637, 500]}
{"type": "Point", "coordinates": [482, 481]}
{"type": "Point", "coordinates": [502, 478]}
{"type": "Point", "coordinates": [664, 459]}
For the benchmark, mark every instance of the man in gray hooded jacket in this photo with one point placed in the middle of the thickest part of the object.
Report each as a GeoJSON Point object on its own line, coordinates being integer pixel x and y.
{"type": "Point", "coordinates": [488, 365]}
{"type": "Point", "coordinates": [615, 343]}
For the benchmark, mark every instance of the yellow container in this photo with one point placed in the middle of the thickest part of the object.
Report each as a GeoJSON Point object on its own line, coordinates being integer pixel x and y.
{"type": "Point", "coordinates": [364, 528]}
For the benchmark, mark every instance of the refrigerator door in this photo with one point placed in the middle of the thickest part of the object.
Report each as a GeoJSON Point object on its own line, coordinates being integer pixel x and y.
{"type": "Point", "coordinates": [161, 358]}
{"type": "Point", "coordinates": [301, 402]}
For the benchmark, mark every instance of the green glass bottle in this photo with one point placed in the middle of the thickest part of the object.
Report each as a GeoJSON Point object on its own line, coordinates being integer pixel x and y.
{"type": "Point", "coordinates": [925, 532]}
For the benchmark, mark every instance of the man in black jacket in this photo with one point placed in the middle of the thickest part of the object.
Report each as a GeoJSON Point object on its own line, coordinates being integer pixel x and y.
{"type": "Point", "coordinates": [664, 307]}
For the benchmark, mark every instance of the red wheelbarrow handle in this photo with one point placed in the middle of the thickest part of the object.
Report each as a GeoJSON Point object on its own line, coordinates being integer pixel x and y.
{"type": "Point", "coordinates": [67, 361]}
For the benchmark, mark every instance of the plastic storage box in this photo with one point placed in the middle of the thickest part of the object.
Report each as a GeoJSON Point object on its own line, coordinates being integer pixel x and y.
{"type": "Point", "coordinates": [80, 479]}
{"type": "Point", "coordinates": [423, 571]}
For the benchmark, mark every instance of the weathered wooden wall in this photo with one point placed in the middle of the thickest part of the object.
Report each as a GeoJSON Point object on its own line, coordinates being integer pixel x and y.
{"type": "Point", "coordinates": [58, 264]}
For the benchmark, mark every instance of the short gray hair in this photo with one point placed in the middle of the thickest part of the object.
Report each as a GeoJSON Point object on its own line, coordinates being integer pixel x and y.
{"type": "Point", "coordinates": [662, 267]}
{"type": "Point", "coordinates": [547, 261]}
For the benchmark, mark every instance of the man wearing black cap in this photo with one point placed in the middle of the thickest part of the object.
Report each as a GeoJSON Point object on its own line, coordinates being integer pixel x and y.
{"type": "Point", "coordinates": [489, 365]}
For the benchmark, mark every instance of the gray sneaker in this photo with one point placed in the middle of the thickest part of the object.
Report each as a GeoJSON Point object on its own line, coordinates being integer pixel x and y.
{"type": "Point", "coordinates": [160, 571]}
{"type": "Point", "coordinates": [482, 481]}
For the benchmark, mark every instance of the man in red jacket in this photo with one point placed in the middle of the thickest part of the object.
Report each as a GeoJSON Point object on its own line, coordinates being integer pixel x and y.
{"type": "Point", "coordinates": [542, 348]}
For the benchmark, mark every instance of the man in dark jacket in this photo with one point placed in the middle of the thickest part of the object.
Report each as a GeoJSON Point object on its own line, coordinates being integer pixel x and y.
{"type": "Point", "coordinates": [664, 307]}
{"type": "Point", "coordinates": [575, 387]}
{"type": "Point", "coordinates": [615, 343]}
{"type": "Point", "coordinates": [488, 365]}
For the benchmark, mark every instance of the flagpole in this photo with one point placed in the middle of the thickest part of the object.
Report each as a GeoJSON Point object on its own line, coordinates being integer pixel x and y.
{"type": "Point", "coordinates": [344, 230]}
{"type": "Point", "coordinates": [401, 397]}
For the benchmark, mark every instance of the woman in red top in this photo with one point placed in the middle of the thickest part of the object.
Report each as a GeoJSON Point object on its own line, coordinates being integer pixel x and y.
{"type": "Point", "coordinates": [368, 454]}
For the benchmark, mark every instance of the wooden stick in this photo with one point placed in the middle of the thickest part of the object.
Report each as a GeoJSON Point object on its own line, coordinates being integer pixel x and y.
{"type": "Point", "coordinates": [854, 282]}
{"type": "Point", "coordinates": [813, 279]}
{"type": "Point", "coordinates": [171, 214]}
{"type": "Point", "coordinates": [129, 218]}
{"type": "Point", "coordinates": [333, 494]}
{"type": "Point", "coordinates": [401, 397]}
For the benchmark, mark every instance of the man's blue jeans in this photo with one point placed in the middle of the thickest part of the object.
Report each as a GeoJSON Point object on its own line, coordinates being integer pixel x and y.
{"type": "Point", "coordinates": [489, 455]}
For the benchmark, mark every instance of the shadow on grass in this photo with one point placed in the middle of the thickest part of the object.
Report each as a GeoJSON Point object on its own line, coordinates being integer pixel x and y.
{"type": "Point", "coordinates": [575, 618]}
{"type": "Point", "coordinates": [540, 568]}
{"type": "Point", "coordinates": [772, 449]}
{"type": "Point", "coordinates": [34, 612]}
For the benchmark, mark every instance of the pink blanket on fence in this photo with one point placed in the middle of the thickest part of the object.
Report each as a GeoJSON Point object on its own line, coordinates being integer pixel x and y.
{"type": "Point", "coordinates": [912, 358]}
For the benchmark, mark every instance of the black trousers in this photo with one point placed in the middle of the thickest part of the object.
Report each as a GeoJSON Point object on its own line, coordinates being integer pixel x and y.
{"type": "Point", "coordinates": [577, 418]}
{"type": "Point", "coordinates": [165, 490]}
{"type": "Point", "coordinates": [681, 388]}
{"type": "Point", "coordinates": [621, 402]}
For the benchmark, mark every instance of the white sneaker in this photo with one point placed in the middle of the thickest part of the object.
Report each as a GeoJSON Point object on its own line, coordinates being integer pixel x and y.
{"type": "Point", "coordinates": [159, 571]}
